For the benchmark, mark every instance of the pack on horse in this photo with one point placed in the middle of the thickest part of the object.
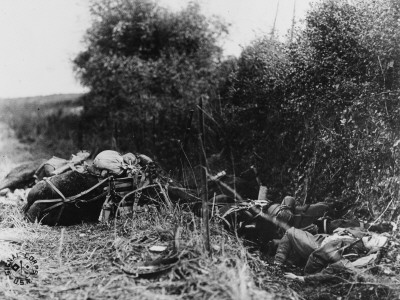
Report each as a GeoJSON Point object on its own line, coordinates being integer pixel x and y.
{"type": "Point", "coordinates": [29, 173]}
{"type": "Point", "coordinates": [97, 190]}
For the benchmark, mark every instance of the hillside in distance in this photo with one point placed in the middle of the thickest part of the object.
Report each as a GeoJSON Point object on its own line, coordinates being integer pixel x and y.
{"type": "Point", "coordinates": [48, 99]}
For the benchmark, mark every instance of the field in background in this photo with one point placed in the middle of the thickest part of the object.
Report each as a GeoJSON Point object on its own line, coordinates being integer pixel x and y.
{"type": "Point", "coordinates": [49, 124]}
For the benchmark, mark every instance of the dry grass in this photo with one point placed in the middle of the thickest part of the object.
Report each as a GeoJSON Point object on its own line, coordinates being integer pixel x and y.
{"type": "Point", "coordinates": [87, 261]}
{"type": "Point", "coordinates": [84, 261]}
{"type": "Point", "coordinates": [46, 126]}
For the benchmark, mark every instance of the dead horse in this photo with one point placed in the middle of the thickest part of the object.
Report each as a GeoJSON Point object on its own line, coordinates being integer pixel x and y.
{"type": "Point", "coordinates": [84, 197]}
{"type": "Point", "coordinates": [22, 175]}
{"type": "Point", "coordinates": [44, 205]}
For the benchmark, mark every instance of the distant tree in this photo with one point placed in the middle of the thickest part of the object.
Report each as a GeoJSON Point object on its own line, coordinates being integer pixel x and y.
{"type": "Point", "coordinates": [142, 61]}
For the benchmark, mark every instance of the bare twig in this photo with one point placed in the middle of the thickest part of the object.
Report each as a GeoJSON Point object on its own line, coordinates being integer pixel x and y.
{"type": "Point", "coordinates": [183, 144]}
{"type": "Point", "coordinates": [204, 187]}
{"type": "Point", "coordinates": [380, 216]}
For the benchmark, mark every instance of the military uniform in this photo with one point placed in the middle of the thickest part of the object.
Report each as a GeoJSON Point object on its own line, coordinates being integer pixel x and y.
{"type": "Point", "coordinates": [324, 255]}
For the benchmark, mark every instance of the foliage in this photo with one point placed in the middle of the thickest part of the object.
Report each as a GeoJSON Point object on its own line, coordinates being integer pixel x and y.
{"type": "Point", "coordinates": [253, 117]}
{"type": "Point", "coordinates": [143, 62]}
{"type": "Point", "coordinates": [344, 75]}
{"type": "Point", "coordinates": [51, 124]}
{"type": "Point", "coordinates": [319, 115]}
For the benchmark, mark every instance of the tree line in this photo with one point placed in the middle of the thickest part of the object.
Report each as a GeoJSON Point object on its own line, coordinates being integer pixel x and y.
{"type": "Point", "coordinates": [316, 114]}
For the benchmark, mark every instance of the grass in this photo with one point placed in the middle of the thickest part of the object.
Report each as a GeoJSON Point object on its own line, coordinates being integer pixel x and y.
{"type": "Point", "coordinates": [48, 124]}
{"type": "Point", "coordinates": [87, 261]}
{"type": "Point", "coordinates": [84, 261]}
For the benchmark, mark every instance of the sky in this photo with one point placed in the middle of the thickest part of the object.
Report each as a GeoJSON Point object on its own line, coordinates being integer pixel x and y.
{"type": "Point", "coordinates": [40, 38]}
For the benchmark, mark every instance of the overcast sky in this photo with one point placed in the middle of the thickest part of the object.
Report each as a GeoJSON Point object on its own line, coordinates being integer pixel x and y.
{"type": "Point", "coordinates": [39, 38]}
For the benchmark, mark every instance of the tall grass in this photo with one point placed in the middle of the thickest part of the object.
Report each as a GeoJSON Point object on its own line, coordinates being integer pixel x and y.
{"type": "Point", "coordinates": [85, 261]}
{"type": "Point", "coordinates": [50, 124]}
{"type": "Point", "coordinates": [88, 260]}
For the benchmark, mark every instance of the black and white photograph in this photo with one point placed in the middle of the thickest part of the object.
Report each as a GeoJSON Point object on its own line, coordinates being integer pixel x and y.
{"type": "Point", "coordinates": [200, 149]}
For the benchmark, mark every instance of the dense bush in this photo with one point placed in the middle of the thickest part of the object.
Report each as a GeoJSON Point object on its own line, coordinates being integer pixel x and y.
{"type": "Point", "coordinates": [343, 90]}
{"type": "Point", "coordinates": [146, 67]}
{"type": "Point", "coordinates": [320, 114]}
{"type": "Point", "coordinates": [317, 116]}
{"type": "Point", "coordinates": [256, 127]}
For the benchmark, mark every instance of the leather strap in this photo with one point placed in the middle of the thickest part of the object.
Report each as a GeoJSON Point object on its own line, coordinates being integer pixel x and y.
{"type": "Point", "coordinates": [61, 202]}
{"type": "Point", "coordinates": [63, 199]}
{"type": "Point", "coordinates": [55, 188]}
